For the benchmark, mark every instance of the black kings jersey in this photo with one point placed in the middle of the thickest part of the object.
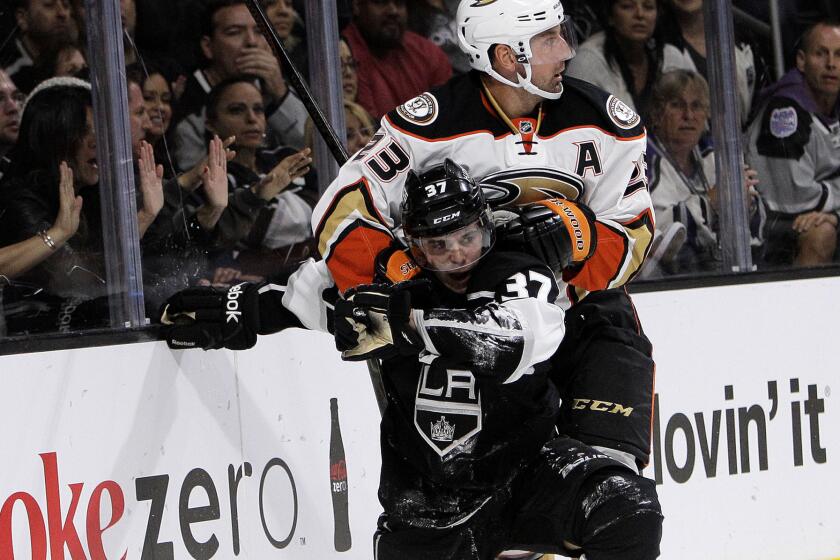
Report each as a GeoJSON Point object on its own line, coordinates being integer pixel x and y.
{"type": "Point", "coordinates": [476, 406]}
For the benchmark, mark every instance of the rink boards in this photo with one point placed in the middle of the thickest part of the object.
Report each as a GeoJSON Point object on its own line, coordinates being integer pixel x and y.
{"type": "Point", "coordinates": [139, 451]}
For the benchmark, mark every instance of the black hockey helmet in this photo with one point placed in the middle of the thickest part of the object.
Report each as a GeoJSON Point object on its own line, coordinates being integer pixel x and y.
{"type": "Point", "coordinates": [444, 208]}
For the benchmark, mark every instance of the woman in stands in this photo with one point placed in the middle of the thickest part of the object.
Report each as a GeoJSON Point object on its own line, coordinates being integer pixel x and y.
{"type": "Point", "coordinates": [682, 179]}
{"type": "Point", "coordinates": [270, 204]}
{"type": "Point", "coordinates": [684, 35]}
{"type": "Point", "coordinates": [56, 127]}
{"type": "Point", "coordinates": [360, 126]}
{"type": "Point", "coordinates": [349, 77]}
{"type": "Point", "coordinates": [624, 58]}
{"type": "Point", "coordinates": [158, 97]}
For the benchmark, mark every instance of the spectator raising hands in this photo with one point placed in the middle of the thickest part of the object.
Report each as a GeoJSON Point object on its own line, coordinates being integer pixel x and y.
{"type": "Point", "coordinates": [151, 187]}
{"type": "Point", "coordinates": [215, 181]}
{"type": "Point", "coordinates": [289, 169]}
{"type": "Point", "coordinates": [18, 258]}
{"type": "Point", "coordinates": [191, 180]}
{"type": "Point", "coordinates": [69, 208]}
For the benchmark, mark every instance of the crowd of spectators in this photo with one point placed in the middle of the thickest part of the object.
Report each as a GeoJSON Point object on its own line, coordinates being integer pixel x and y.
{"type": "Point", "coordinates": [222, 144]}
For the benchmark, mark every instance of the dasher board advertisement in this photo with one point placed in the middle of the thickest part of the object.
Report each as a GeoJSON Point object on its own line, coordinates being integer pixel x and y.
{"type": "Point", "coordinates": [144, 452]}
{"type": "Point", "coordinates": [138, 451]}
{"type": "Point", "coordinates": [746, 438]}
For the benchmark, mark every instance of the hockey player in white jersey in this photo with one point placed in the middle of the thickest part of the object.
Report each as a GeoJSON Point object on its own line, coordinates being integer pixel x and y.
{"type": "Point", "coordinates": [568, 160]}
{"type": "Point", "coordinates": [471, 462]}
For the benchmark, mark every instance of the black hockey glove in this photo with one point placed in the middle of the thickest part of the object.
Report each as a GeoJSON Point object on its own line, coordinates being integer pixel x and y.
{"type": "Point", "coordinates": [379, 315]}
{"type": "Point", "coordinates": [211, 318]}
{"type": "Point", "coordinates": [559, 232]}
{"type": "Point", "coordinates": [349, 324]}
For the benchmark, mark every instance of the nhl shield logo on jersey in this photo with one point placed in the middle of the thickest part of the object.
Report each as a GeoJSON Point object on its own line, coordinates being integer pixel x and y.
{"type": "Point", "coordinates": [447, 408]}
{"type": "Point", "coordinates": [526, 126]}
{"type": "Point", "coordinates": [422, 110]}
{"type": "Point", "coordinates": [783, 122]}
{"type": "Point", "coordinates": [521, 186]}
{"type": "Point", "coordinates": [621, 114]}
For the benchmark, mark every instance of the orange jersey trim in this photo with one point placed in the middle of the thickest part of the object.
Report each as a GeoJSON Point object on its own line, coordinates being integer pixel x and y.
{"type": "Point", "coordinates": [603, 266]}
{"type": "Point", "coordinates": [446, 138]}
{"type": "Point", "coordinates": [589, 126]}
{"type": "Point", "coordinates": [351, 261]}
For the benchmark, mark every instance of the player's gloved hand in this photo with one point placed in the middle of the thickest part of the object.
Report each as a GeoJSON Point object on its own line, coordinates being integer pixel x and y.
{"type": "Point", "coordinates": [379, 313]}
{"type": "Point", "coordinates": [210, 318]}
{"type": "Point", "coordinates": [394, 264]}
{"type": "Point", "coordinates": [559, 232]}
{"type": "Point", "coordinates": [349, 324]}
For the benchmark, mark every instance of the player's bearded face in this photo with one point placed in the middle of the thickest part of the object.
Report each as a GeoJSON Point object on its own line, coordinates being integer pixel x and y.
{"type": "Point", "coordinates": [550, 51]}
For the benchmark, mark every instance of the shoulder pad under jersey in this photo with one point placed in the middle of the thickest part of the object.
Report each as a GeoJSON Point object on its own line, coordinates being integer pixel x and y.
{"type": "Point", "coordinates": [449, 111]}
{"type": "Point", "coordinates": [585, 104]}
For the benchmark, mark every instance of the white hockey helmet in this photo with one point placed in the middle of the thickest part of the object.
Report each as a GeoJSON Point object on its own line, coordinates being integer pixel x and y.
{"type": "Point", "coordinates": [484, 23]}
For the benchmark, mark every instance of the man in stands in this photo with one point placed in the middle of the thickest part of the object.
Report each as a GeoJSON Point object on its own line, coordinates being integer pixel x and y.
{"type": "Point", "coordinates": [44, 25]}
{"type": "Point", "coordinates": [11, 103]}
{"type": "Point", "coordinates": [394, 64]}
{"type": "Point", "coordinates": [233, 46]}
{"type": "Point", "coordinates": [795, 145]}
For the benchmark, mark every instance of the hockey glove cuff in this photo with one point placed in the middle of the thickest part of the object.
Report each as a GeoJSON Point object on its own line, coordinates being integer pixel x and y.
{"type": "Point", "coordinates": [559, 232]}
{"type": "Point", "coordinates": [209, 318]}
{"type": "Point", "coordinates": [394, 265]}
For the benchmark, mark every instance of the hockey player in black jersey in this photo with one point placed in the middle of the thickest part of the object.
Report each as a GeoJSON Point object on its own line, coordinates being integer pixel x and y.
{"type": "Point", "coordinates": [471, 462]}
{"type": "Point", "coordinates": [471, 465]}
{"type": "Point", "coordinates": [526, 132]}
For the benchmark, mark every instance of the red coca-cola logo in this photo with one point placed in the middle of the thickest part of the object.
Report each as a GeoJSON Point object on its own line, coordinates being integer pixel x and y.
{"type": "Point", "coordinates": [338, 471]}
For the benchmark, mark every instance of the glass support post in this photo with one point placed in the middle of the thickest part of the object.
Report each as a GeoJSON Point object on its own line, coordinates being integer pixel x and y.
{"type": "Point", "coordinates": [733, 233]}
{"type": "Point", "coordinates": [322, 35]}
{"type": "Point", "coordinates": [116, 173]}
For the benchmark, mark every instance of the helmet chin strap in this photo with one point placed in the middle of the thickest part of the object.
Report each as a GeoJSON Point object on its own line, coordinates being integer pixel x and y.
{"type": "Point", "coordinates": [525, 83]}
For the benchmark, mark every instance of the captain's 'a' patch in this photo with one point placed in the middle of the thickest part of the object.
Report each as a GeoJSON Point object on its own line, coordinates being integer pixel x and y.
{"type": "Point", "coordinates": [422, 110]}
{"type": "Point", "coordinates": [621, 114]}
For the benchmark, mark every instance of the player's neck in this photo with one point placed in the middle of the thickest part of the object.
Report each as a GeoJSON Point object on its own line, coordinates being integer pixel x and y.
{"type": "Point", "coordinates": [515, 102]}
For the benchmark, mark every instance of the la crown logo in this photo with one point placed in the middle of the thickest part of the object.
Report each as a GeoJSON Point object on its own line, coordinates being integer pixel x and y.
{"type": "Point", "coordinates": [443, 430]}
